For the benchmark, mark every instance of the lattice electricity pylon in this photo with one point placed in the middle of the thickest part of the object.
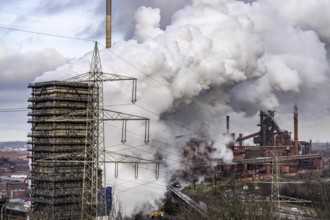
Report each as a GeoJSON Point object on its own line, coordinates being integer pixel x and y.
{"type": "Point", "coordinates": [275, 196]}
{"type": "Point", "coordinates": [94, 173]}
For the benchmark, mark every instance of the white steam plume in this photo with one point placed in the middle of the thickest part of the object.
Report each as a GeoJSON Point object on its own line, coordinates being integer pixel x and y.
{"type": "Point", "coordinates": [215, 57]}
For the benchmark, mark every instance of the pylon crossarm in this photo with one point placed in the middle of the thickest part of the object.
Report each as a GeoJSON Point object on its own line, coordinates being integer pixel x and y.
{"type": "Point", "coordinates": [96, 161]}
{"type": "Point", "coordinates": [124, 158]}
{"type": "Point", "coordinates": [118, 158]}
{"type": "Point", "coordinates": [110, 115]}
{"type": "Point", "coordinates": [111, 157]}
{"type": "Point", "coordinates": [124, 117]}
{"type": "Point", "coordinates": [115, 77]}
{"type": "Point", "coordinates": [79, 78]}
{"type": "Point", "coordinates": [105, 77]}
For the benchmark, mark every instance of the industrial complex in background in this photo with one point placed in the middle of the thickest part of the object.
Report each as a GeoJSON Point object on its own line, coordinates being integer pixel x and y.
{"type": "Point", "coordinates": [254, 161]}
{"type": "Point", "coordinates": [270, 143]}
{"type": "Point", "coordinates": [272, 158]}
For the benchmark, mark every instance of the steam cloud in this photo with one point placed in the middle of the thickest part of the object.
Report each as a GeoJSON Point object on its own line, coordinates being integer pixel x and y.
{"type": "Point", "coordinates": [215, 57]}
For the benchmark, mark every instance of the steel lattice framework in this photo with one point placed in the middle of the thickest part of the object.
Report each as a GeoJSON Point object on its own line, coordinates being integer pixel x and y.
{"type": "Point", "coordinates": [92, 207]}
{"type": "Point", "coordinates": [275, 196]}
{"type": "Point", "coordinates": [95, 146]}
{"type": "Point", "coordinates": [94, 165]}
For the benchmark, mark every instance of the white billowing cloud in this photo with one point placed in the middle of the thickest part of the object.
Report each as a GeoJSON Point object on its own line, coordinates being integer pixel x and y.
{"type": "Point", "coordinates": [123, 16]}
{"type": "Point", "coordinates": [280, 76]}
{"type": "Point", "coordinates": [147, 24]}
{"type": "Point", "coordinates": [294, 59]}
{"type": "Point", "coordinates": [307, 14]}
{"type": "Point", "coordinates": [214, 57]}
{"type": "Point", "coordinates": [19, 69]}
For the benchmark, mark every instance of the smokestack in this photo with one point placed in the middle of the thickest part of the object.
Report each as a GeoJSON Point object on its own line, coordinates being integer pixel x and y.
{"type": "Point", "coordinates": [295, 121]}
{"type": "Point", "coordinates": [108, 24]}
{"type": "Point", "coordinates": [227, 124]}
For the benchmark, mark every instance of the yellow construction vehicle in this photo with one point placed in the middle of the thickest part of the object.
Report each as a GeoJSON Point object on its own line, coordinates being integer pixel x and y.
{"type": "Point", "coordinates": [157, 214]}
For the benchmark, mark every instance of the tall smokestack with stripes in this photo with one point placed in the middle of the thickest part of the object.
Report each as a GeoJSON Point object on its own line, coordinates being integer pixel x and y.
{"type": "Point", "coordinates": [108, 24]}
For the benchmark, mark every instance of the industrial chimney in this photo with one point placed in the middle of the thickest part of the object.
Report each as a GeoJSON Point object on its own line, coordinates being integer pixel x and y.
{"type": "Point", "coordinates": [227, 124]}
{"type": "Point", "coordinates": [295, 121]}
{"type": "Point", "coordinates": [108, 24]}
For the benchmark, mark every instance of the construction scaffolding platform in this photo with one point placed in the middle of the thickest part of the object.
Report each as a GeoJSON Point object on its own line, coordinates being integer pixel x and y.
{"type": "Point", "coordinates": [59, 115]}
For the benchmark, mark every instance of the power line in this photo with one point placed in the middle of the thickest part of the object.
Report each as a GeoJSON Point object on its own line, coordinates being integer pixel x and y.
{"type": "Point", "coordinates": [138, 181]}
{"type": "Point", "coordinates": [116, 105]}
{"type": "Point", "coordinates": [24, 109]}
{"type": "Point", "coordinates": [136, 186]}
{"type": "Point", "coordinates": [46, 34]}
{"type": "Point", "coordinates": [116, 145]}
{"type": "Point", "coordinates": [140, 192]}
{"type": "Point", "coordinates": [13, 110]}
{"type": "Point", "coordinates": [145, 168]}
{"type": "Point", "coordinates": [133, 147]}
